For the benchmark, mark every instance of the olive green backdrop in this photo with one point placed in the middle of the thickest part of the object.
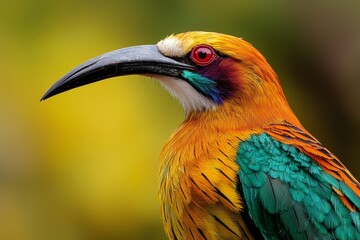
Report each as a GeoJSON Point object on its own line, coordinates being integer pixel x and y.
{"type": "Point", "coordinates": [83, 165]}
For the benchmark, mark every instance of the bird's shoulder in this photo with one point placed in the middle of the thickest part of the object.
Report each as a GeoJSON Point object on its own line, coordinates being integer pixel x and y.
{"type": "Point", "coordinates": [292, 185]}
{"type": "Point", "coordinates": [302, 140]}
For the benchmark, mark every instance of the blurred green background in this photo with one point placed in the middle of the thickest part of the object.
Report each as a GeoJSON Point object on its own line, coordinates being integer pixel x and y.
{"type": "Point", "coordinates": [83, 165]}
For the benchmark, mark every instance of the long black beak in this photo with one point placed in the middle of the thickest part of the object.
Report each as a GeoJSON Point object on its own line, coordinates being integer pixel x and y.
{"type": "Point", "coordinates": [144, 59]}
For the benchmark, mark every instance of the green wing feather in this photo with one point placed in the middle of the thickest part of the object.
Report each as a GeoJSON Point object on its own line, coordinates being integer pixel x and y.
{"type": "Point", "coordinates": [289, 196]}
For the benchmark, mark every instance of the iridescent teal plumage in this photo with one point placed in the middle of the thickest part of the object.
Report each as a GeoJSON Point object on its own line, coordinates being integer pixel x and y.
{"type": "Point", "coordinates": [289, 196]}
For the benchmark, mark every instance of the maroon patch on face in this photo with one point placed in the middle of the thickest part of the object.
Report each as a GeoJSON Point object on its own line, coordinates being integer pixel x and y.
{"type": "Point", "coordinates": [223, 72]}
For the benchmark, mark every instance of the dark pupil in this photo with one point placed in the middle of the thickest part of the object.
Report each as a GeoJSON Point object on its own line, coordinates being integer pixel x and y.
{"type": "Point", "coordinates": [202, 55]}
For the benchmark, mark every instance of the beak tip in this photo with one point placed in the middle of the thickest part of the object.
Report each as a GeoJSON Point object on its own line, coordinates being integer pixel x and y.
{"type": "Point", "coordinates": [49, 93]}
{"type": "Point", "coordinates": [43, 98]}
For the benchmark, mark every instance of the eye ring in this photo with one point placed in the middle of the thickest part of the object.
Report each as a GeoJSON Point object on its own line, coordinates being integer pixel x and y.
{"type": "Point", "coordinates": [202, 55]}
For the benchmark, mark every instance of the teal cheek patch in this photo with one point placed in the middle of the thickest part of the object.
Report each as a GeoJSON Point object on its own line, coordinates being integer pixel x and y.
{"type": "Point", "coordinates": [205, 86]}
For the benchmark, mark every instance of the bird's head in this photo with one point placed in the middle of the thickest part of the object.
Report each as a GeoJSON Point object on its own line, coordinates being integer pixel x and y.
{"type": "Point", "coordinates": [207, 72]}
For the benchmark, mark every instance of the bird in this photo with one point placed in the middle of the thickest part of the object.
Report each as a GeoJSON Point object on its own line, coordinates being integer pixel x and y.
{"type": "Point", "coordinates": [241, 165]}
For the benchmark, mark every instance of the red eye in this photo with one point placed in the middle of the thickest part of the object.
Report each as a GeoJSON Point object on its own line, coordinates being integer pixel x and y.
{"type": "Point", "coordinates": [202, 55]}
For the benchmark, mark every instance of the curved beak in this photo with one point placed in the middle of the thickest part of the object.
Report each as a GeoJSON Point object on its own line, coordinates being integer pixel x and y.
{"type": "Point", "coordinates": [144, 59]}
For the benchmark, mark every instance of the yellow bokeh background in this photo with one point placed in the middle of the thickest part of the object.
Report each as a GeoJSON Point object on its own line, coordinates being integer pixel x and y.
{"type": "Point", "coordinates": [83, 165]}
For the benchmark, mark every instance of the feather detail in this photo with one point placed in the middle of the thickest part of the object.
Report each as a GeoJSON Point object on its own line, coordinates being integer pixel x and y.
{"type": "Point", "coordinates": [290, 196]}
{"type": "Point", "coordinates": [198, 182]}
{"type": "Point", "coordinates": [306, 143]}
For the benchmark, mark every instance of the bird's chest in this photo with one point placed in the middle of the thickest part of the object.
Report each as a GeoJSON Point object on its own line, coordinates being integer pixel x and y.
{"type": "Point", "coordinates": [198, 178]}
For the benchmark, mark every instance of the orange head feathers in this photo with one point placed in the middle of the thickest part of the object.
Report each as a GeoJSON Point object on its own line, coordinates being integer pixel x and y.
{"type": "Point", "coordinates": [236, 61]}
{"type": "Point", "coordinates": [240, 80]}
